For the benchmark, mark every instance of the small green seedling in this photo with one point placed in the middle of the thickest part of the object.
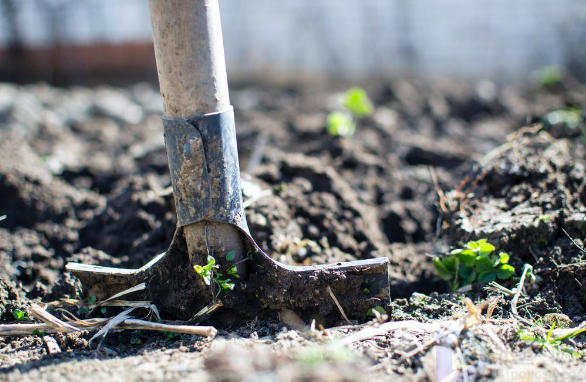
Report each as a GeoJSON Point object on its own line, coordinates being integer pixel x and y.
{"type": "Point", "coordinates": [20, 315]}
{"type": "Point", "coordinates": [547, 76]}
{"type": "Point", "coordinates": [2, 217]}
{"type": "Point", "coordinates": [209, 273]}
{"type": "Point", "coordinates": [340, 124]}
{"type": "Point", "coordinates": [569, 117]}
{"type": "Point", "coordinates": [555, 344]}
{"type": "Point", "coordinates": [356, 101]}
{"type": "Point", "coordinates": [135, 339]}
{"type": "Point", "coordinates": [378, 309]}
{"type": "Point", "coordinates": [473, 263]}
{"type": "Point", "coordinates": [38, 333]}
{"type": "Point", "coordinates": [356, 104]}
{"type": "Point", "coordinates": [233, 271]}
{"type": "Point", "coordinates": [170, 335]}
{"type": "Point", "coordinates": [90, 300]}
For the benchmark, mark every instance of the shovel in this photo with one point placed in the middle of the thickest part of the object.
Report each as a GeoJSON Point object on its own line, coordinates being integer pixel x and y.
{"type": "Point", "coordinates": [212, 234]}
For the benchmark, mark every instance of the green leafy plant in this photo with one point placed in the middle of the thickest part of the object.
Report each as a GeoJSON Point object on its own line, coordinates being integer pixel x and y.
{"type": "Point", "coordinates": [476, 262]}
{"type": "Point", "coordinates": [2, 217]}
{"type": "Point", "coordinates": [170, 335]}
{"type": "Point", "coordinates": [20, 315]}
{"type": "Point", "coordinates": [547, 76]}
{"type": "Point", "coordinates": [206, 271]}
{"type": "Point", "coordinates": [209, 273]}
{"type": "Point", "coordinates": [38, 333]}
{"type": "Point", "coordinates": [135, 339]}
{"type": "Point", "coordinates": [551, 342]}
{"type": "Point", "coordinates": [90, 300]}
{"type": "Point", "coordinates": [569, 117]}
{"type": "Point", "coordinates": [340, 124]}
{"type": "Point", "coordinates": [377, 308]}
{"type": "Point", "coordinates": [356, 104]}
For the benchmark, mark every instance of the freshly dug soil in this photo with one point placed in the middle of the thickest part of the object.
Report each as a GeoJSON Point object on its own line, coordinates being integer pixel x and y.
{"type": "Point", "coordinates": [84, 178]}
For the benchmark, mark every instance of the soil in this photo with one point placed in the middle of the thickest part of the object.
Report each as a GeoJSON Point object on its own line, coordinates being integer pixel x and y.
{"type": "Point", "coordinates": [84, 178]}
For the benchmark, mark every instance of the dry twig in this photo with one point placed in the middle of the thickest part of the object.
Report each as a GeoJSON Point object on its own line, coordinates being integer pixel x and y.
{"type": "Point", "coordinates": [52, 321]}
{"type": "Point", "coordinates": [338, 304]}
{"type": "Point", "coordinates": [515, 299]}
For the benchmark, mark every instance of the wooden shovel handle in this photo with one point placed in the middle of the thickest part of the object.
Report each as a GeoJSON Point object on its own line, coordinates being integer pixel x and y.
{"type": "Point", "coordinates": [189, 50]}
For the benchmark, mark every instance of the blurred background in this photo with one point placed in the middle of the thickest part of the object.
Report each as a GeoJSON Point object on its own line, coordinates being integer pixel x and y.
{"type": "Point", "coordinates": [109, 41]}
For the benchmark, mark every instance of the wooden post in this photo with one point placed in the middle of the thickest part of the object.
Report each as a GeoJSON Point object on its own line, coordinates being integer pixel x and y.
{"type": "Point", "coordinates": [189, 50]}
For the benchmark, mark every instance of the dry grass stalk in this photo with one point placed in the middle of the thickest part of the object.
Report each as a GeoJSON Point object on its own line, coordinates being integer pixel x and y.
{"type": "Point", "coordinates": [515, 299]}
{"type": "Point", "coordinates": [135, 288]}
{"type": "Point", "coordinates": [338, 304]}
{"type": "Point", "coordinates": [14, 330]}
{"type": "Point", "coordinates": [17, 330]}
{"type": "Point", "coordinates": [111, 324]}
{"type": "Point", "coordinates": [371, 332]}
{"type": "Point", "coordinates": [52, 321]}
{"type": "Point", "coordinates": [133, 324]}
{"type": "Point", "coordinates": [491, 307]}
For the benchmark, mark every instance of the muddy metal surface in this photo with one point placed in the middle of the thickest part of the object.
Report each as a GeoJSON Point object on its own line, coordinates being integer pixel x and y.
{"type": "Point", "coordinates": [84, 178]}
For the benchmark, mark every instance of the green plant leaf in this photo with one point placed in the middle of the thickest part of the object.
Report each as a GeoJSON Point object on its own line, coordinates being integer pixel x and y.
{"type": "Point", "coordinates": [227, 286]}
{"type": "Point", "coordinates": [467, 257]}
{"type": "Point", "coordinates": [486, 249]}
{"type": "Point", "coordinates": [170, 335]}
{"type": "Point", "coordinates": [230, 256]}
{"type": "Point", "coordinates": [505, 271]}
{"type": "Point", "coordinates": [356, 101]}
{"type": "Point", "coordinates": [340, 124]}
{"type": "Point", "coordinates": [486, 277]}
{"type": "Point", "coordinates": [570, 117]}
{"type": "Point", "coordinates": [37, 333]}
{"type": "Point", "coordinates": [454, 285]}
{"type": "Point", "coordinates": [475, 244]}
{"type": "Point", "coordinates": [211, 264]}
{"type": "Point", "coordinates": [467, 274]}
{"type": "Point", "coordinates": [547, 76]}
{"type": "Point", "coordinates": [92, 299]}
{"type": "Point", "coordinates": [503, 258]}
{"type": "Point", "coordinates": [442, 271]}
{"type": "Point", "coordinates": [20, 315]}
{"type": "Point", "coordinates": [451, 263]}
{"type": "Point", "coordinates": [484, 264]}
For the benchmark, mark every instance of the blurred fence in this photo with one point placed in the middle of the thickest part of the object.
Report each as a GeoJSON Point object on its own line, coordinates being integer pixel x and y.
{"type": "Point", "coordinates": [73, 40]}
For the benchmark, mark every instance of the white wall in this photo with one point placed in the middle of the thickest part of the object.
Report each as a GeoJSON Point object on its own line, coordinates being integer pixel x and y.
{"type": "Point", "coordinates": [500, 39]}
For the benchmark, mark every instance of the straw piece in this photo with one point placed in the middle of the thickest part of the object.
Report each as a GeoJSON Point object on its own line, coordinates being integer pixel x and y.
{"type": "Point", "coordinates": [46, 317]}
